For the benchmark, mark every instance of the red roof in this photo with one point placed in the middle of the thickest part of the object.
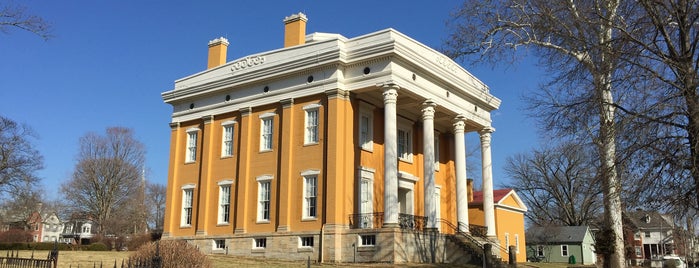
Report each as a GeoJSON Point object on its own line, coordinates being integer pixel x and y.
{"type": "Point", "coordinates": [498, 195]}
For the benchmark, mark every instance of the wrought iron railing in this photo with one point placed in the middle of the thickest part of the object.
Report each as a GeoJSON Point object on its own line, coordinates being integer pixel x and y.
{"type": "Point", "coordinates": [375, 220]}
{"type": "Point", "coordinates": [411, 222]}
{"type": "Point", "coordinates": [366, 220]}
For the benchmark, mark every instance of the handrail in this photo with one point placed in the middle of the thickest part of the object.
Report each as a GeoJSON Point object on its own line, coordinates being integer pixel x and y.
{"type": "Point", "coordinates": [479, 231]}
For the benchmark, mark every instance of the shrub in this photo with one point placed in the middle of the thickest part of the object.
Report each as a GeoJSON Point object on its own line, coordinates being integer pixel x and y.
{"type": "Point", "coordinates": [99, 246]}
{"type": "Point", "coordinates": [137, 241]}
{"type": "Point", "coordinates": [16, 235]}
{"type": "Point", "coordinates": [173, 253]}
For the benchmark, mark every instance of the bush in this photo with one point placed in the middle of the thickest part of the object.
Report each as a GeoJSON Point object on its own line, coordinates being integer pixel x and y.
{"type": "Point", "coordinates": [137, 241]}
{"type": "Point", "coordinates": [16, 236]}
{"type": "Point", "coordinates": [99, 246]}
{"type": "Point", "coordinates": [173, 253]}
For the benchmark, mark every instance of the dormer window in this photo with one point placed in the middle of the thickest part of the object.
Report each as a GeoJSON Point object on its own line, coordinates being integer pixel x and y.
{"type": "Point", "coordinates": [646, 218]}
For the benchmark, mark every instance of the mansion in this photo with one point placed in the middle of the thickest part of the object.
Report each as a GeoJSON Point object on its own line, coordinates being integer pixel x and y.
{"type": "Point", "coordinates": [338, 149]}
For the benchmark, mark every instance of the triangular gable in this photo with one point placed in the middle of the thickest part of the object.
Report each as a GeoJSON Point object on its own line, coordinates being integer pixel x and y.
{"type": "Point", "coordinates": [511, 200]}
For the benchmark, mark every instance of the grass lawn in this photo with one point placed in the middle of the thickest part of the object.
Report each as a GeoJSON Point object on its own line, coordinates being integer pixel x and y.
{"type": "Point", "coordinates": [88, 259]}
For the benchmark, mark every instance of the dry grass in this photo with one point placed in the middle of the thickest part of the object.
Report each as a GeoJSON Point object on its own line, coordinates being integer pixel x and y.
{"type": "Point", "coordinates": [88, 259]}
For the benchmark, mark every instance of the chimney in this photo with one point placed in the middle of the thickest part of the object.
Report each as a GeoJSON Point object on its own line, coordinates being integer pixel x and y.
{"type": "Point", "coordinates": [469, 190]}
{"type": "Point", "coordinates": [295, 30]}
{"type": "Point", "coordinates": [217, 52]}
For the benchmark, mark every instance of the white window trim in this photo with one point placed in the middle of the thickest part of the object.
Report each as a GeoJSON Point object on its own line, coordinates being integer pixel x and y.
{"type": "Point", "coordinates": [301, 241]}
{"type": "Point", "coordinates": [366, 174]}
{"type": "Point", "coordinates": [436, 150]}
{"type": "Point", "coordinates": [189, 157]}
{"type": "Point", "coordinates": [307, 109]}
{"type": "Point", "coordinates": [507, 242]}
{"type": "Point", "coordinates": [263, 117]}
{"type": "Point", "coordinates": [260, 180]}
{"type": "Point", "coordinates": [254, 242]}
{"type": "Point", "coordinates": [304, 176]}
{"type": "Point", "coordinates": [407, 127]}
{"type": "Point", "coordinates": [183, 216]}
{"type": "Point", "coordinates": [224, 125]}
{"type": "Point", "coordinates": [360, 241]}
{"type": "Point", "coordinates": [567, 251]}
{"type": "Point", "coordinates": [517, 243]}
{"type": "Point", "coordinates": [407, 181]}
{"type": "Point", "coordinates": [368, 111]}
{"type": "Point", "coordinates": [221, 184]}
{"type": "Point", "coordinates": [215, 245]}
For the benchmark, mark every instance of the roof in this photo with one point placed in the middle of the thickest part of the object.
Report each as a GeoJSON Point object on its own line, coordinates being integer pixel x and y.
{"type": "Point", "coordinates": [556, 234]}
{"type": "Point", "coordinates": [499, 196]}
{"type": "Point", "coordinates": [648, 219]}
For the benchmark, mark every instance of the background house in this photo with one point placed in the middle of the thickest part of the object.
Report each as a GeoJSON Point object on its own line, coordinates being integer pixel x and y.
{"type": "Point", "coordinates": [52, 228]}
{"type": "Point", "coordinates": [653, 234]}
{"type": "Point", "coordinates": [509, 219]}
{"type": "Point", "coordinates": [559, 243]}
{"type": "Point", "coordinates": [78, 230]}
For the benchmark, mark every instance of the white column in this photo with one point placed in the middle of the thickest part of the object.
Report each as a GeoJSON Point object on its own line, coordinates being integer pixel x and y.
{"type": "Point", "coordinates": [488, 203]}
{"type": "Point", "coordinates": [460, 165]}
{"type": "Point", "coordinates": [390, 178]}
{"type": "Point", "coordinates": [428, 162]}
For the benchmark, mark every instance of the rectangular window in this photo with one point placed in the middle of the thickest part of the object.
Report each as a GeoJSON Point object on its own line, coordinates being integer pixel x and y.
{"type": "Point", "coordinates": [311, 126]}
{"type": "Point", "coordinates": [220, 244]}
{"type": "Point", "coordinates": [647, 234]}
{"type": "Point", "coordinates": [191, 146]}
{"type": "Point", "coordinates": [310, 192]}
{"type": "Point", "coordinates": [540, 251]}
{"type": "Point", "coordinates": [263, 198]}
{"type": "Point", "coordinates": [187, 207]}
{"type": "Point", "coordinates": [564, 250]}
{"type": "Point", "coordinates": [224, 204]}
{"type": "Point", "coordinates": [307, 241]}
{"type": "Point", "coordinates": [260, 243]}
{"type": "Point", "coordinates": [436, 151]}
{"type": "Point", "coordinates": [368, 240]}
{"type": "Point", "coordinates": [366, 131]}
{"type": "Point", "coordinates": [227, 143]}
{"type": "Point", "coordinates": [404, 145]}
{"type": "Point", "coordinates": [639, 253]}
{"type": "Point", "coordinates": [507, 242]}
{"type": "Point", "coordinates": [517, 243]}
{"type": "Point", "coordinates": [266, 134]}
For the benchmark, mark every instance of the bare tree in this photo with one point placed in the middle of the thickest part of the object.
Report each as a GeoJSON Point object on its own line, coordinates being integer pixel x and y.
{"type": "Point", "coordinates": [106, 178]}
{"type": "Point", "coordinates": [13, 16]}
{"type": "Point", "coordinates": [155, 202]}
{"type": "Point", "coordinates": [578, 41]}
{"type": "Point", "coordinates": [19, 160]}
{"type": "Point", "coordinates": [666, 32]}
{"type": "Point", "coordinates": [560, 185]}
{"type": "Point", "coordinates": [21, 204]}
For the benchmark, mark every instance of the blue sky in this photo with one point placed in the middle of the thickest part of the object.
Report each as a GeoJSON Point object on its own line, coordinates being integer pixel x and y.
{"type": "Point", "coordinates": [109, 61]}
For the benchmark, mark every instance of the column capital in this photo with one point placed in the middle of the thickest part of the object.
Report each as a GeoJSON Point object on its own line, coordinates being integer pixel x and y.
{"type": "Point", "coordinates": [486, 130]}
{"type": "Point", "coordinates": [459, 123]}
{"type": "Point", "coordinates": [428, 109]}
{"type": "Point", "coordinates": [245, 111]}
{"type": "Point", "coordinates": [390, 94]}
{"type": "Point", "coordinates": [207, 119]}
{"type": "Point", "coordinates": [337, 93]}
{"type": "Point", "coordinates": [286, 103]}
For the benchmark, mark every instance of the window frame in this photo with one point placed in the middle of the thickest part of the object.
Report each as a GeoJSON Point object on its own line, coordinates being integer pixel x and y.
{"type": "Point", "coordinates": [224, 212]}
{"type": "Point", "coordinates": [187, 205]}
{"type": "Point", "coordinates": [311, 132]}
{"type": "Point", "coordinates": [436, 151]}
{"type": "Point", "coordinates": [304, 241]}
{"type": "Point", "coordinates": [267, 138]}
{"type": "Point", "coordinates": [259, 243]}
{"type": "Point", "coordinates": [221, 246]}
{"type": "Point", "coordinates": [366, 142]}
{"type": "Point", "coordinates": [264, 208]}
{"type": "Point", "coordinates": [407, 128]}
{"type": "Point", "coordinates": [366, 203]}
{"type": "Point", "coordinates": [564, 251]}
{"type": "Point", "coordinates": [540, 251]}
{"type": "Point", "coordinates": [227, 141]}
{"type": "Point", "coordinates": [310, 212]}
{"type": "Point", "coordinates": [191, 149]}
{"type": "Point", "coordinates": [367, 240]}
